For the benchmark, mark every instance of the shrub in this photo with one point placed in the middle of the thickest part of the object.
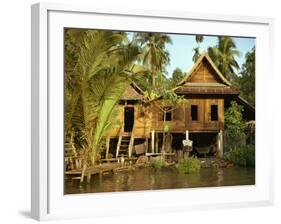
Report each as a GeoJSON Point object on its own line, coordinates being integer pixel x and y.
{"type": "Point", "coordinates": [245, 156]}
{"type": "Point", "coordinates": [189, 165]}
{"type": "Point", "coordinates": [234, 134]}
{"type": "Point", "coordinates": [157, 164]}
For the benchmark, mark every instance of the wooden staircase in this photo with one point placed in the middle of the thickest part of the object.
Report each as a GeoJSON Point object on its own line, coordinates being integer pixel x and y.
{"type": "Point", "coordinates": [124, 146]}
{"type": "Point", "coordinates": [125, 143]}
{"type": "Point", "coordinates": [70, 155]}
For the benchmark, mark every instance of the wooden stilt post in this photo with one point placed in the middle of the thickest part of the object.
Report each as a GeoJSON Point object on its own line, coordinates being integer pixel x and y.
{"type": "Point", "coordinates": [131, 144]}
{"type": "Point", "coordinates": [119, 140]}
{"type": "Point", "coordinates": [157, 142]}
{"type": "Point", "coordinates": [146, 144]}
{"type": "Point", "coordinates": [152, 140]}
{"type": "Point", "coordinates": [186, 135]}
{"type": "Point", "coordinates": [89, 177]}
{"type": "Point", "coordinates": [187, 151]}
{"type": "Point", "coordinates": [107, 143]}
{"type": "Point", "coordinates": [83, 173]}
{"type": "Point", "coordinates": [220, 144]}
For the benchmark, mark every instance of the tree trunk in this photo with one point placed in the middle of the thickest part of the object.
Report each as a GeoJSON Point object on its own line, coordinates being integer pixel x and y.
{"type": "Point", "coordinates": [153, 80]}
{"type": "Point", "coordinates": [164, 134]}
{"type": "Point", "coordinates": [153, 71]}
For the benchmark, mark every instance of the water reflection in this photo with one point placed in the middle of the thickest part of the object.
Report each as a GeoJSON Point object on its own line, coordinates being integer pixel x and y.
{"type": "Point", "coordinates": [147, 179]}
{"type": "Point", "coordinates": [220, 177]}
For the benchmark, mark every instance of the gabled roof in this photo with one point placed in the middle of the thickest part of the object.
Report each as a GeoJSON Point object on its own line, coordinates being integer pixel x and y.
{"type": "Point", "coordinates": [133, 92]}
{"type": "Point", "coordinates": [197, 64]}
{"type": "Point", "coordinates": [217, 85]}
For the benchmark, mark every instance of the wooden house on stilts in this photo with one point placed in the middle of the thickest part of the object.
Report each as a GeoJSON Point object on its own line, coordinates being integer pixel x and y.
{"type": "Point", "coordinates": [140, 126]}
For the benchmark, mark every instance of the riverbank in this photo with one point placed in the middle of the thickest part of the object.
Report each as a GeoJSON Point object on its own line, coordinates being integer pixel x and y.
{"type": "Point", "coordinates": [167, 178]}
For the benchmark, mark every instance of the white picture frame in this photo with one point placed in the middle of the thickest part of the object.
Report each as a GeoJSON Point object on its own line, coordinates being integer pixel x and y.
{"type": "Point", "coordinates": [48, 200]}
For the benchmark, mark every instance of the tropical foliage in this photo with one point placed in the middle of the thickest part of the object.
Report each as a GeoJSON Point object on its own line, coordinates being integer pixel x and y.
{"type": "Point", "coordinates": [234, 126]}
{"type": "Point", "coordinates": [177, 76]}
{"type": "Point", "coordinates": [98, 70]}
{"type": "Point", "coordinates": [244, 156]}
{"type": "Point", "coordinates": [246, 80]}
{"type": "Point", "coordinates": [223, 55]}
{"type": "Point", "coordinates": [199, 39]}
{"type": "Point", "coordinates": [157, 163]}
{"type": "Point", "coordinates": [154, 55]}
{"type": "Point", "coordinates": [189, 165]}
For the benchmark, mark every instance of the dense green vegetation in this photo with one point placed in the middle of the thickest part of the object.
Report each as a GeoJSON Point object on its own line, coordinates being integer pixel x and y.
{"type": "Point", "coordinates": [99, 67]}
{"type": "Point", "coordinates": [234, 126]}
{"type": "Point", "coordinates": [238, 151]}
{"type": "Point", "coordinates": [246, 80]}
{"type": "Point", "coordinates": [157, 164]}
{"type": "Point", "coordinates": [244, 156]}
{"type": "Point", "coordinates": [177, 76]}
{"type": "Point", "coordinates": [199, 39]}
{"type": "Point", "coordinates": [154, 57]}
{"type": "Point", "coordinates": [223, 55]}
{"type": "Point", "coordinates": [189, 165]}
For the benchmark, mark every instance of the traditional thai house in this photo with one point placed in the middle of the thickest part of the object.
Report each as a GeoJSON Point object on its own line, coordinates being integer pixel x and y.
{"type": "Point", "coordinates": [201, 120]}
{"type": "Point", "coordinates": [209, 93]}
{"type": "Point", "coordinates": [133, 123]}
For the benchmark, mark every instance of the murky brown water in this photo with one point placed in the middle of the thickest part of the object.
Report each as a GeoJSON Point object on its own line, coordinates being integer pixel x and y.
{"type": "Point", "coordinates": [146, 179]}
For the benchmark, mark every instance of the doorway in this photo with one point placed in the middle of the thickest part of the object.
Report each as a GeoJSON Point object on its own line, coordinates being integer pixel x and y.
{"type": "Point", "coordinates": [129, 117]}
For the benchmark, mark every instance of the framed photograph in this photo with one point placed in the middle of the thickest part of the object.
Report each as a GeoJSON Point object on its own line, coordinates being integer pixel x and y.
{"type": "Point", "coordinates": [148, 111]}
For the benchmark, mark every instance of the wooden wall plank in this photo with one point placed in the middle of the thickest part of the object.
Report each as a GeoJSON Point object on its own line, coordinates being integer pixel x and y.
{"type": "Point", "coordinates": [205, 73]}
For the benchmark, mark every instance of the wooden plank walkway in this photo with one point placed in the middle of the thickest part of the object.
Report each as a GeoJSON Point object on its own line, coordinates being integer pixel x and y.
{"type": "Point", "coordinates": [98, 169]}
{"type": "Point", "coordinates": [116, 159]}
{"type": "Point", "coordinates": [159, 154]}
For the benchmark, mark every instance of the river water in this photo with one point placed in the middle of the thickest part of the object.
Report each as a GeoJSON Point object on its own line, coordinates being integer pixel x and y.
{"type": "Point", "coordinates": [148, 179]}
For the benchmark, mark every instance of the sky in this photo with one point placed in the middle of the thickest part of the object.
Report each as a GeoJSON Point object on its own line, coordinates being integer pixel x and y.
{"type": "Point", "coordinates": [181, 52]}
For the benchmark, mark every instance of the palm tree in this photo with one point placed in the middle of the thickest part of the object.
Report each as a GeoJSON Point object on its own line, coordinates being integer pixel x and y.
{"type": "Point", "coordinates": [103, 71]}
{"type": "Point", "coordinates": [154, 55]}
{"type": "Point", "coordinates": [199, 39]}
{"type": "Point", "coordinates": [223, 55]}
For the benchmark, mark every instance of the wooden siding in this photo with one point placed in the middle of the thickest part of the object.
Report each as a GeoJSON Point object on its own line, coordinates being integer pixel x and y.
{"type": "Point", "coordinates": [181, 117]}
{"type": "Point", "coordinates": [151, 118]}
{"type": "Point", "coordinates": [204, 73]}
{"type": "Point", "coordinates": [204, 122]}
{"type": "Point", "coordinates": [142, 121]}
{"type": "Point", "coordinates": [177, 123]}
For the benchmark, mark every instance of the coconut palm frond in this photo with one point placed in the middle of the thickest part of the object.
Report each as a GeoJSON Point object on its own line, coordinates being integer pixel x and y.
{"type": "Point", "coordinates": [223, 55]}
{"type": "Point", "coordinates": [103, 72]}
